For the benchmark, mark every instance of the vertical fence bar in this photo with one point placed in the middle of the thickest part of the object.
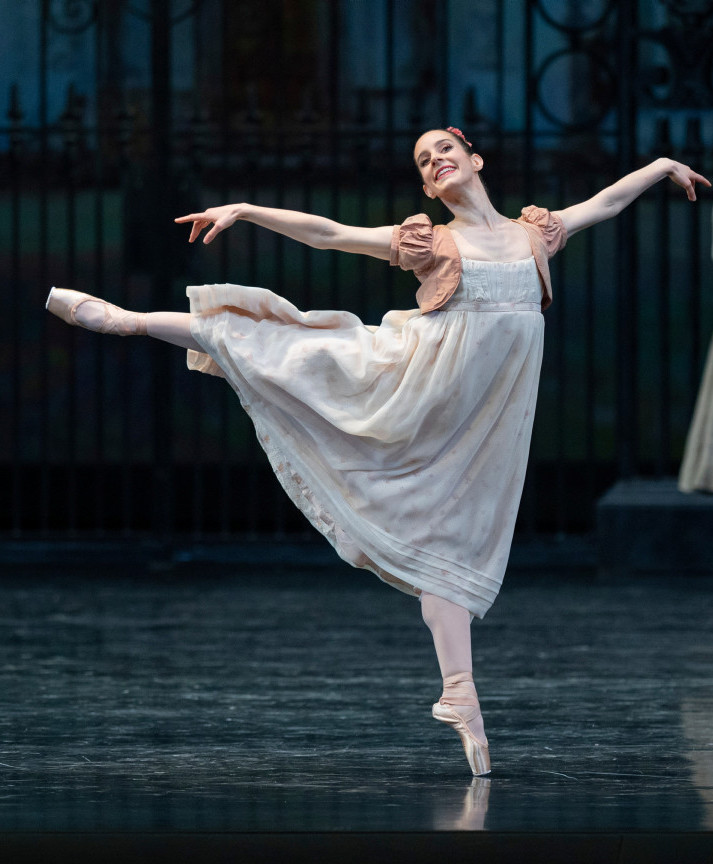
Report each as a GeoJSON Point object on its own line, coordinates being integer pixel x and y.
{"type": "Point", "coordinates": [99, 481]}
{"type": "Point", "coordinates": [444, 90]}
{"type": "Point", "coordinates": [306, 172]}
{"type": "Point", "coordinates": [43, 179]}
{"type": "Point", "coordinates": [590, 313]}
{"type": "Point", "coordinates": [528, 509]}
{"type": "Point", "coordinates": [692, 154]}
{"type": "Point", "coordinates": [161, 266]}
{"type": "Point", "coordinates": [250, 165]}
{"type": "Point", "coordinates": [663, 276]}
{"type": "Point", "coordinates": [361, 153]}
{"type": "Point", "coordinates": [198, 159]}
{"type": "Point", "coordinates": [123, 131]}
{"type": "Point", "coordinates": [530, 99]}
{"type": "Point", "coordinates": [70, 130]}
{"type": "Point", "coordinates": [626, 247]}
{"type": "Point", "coordinates": [561, 391]}
{"type": "Point", "coordinates": [225, 463]}
{"type": "Point", "coordinates": [14, 161]}
{"type": "Point", "coordinates": [500, 36]}
{"type": "Point", "coordinates": [281, 107]}
{"type": "Point", "coordinates": [334, 133]}
{"type": "Point", "coordinates": [390, 126]}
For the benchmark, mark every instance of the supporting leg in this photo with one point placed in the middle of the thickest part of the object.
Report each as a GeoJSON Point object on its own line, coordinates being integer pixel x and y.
{"type": "Point", "coordinates": [450, 627]}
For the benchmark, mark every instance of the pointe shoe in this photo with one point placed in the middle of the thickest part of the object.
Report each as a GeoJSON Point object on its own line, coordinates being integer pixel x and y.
{"type": "Point", "coordinates": [476, 751]}
{"type": "Point", "coordinates": [64, 303]}
{"type": "Point", "coordinates": [459, 691]}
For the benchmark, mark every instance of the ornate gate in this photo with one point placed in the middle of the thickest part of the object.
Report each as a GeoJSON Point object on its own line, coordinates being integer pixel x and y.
{"type": "Point", "coordinates": [121, 115]}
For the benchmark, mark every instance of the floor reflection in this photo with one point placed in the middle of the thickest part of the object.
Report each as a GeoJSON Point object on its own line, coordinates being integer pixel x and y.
{"type": "Point", "coordinates": [465, 812]}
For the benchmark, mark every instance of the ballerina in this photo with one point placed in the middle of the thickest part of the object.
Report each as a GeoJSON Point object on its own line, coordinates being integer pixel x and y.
{"type": "Point", "coordinates": [405, 444]}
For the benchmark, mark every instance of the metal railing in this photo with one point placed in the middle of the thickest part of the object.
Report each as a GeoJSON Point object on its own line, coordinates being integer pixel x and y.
{"type": "Point", "coordinates": [107, 436]}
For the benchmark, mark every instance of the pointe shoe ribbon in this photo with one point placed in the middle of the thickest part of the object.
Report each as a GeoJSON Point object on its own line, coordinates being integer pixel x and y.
{"type": "Point", "coordinates": [459, 690]}
{"type": "Point", "coordinates": [64, 303]}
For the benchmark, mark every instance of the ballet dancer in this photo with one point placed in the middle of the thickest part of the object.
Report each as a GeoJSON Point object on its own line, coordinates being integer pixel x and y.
{"type": "Point", "coordinates": [405, 444]}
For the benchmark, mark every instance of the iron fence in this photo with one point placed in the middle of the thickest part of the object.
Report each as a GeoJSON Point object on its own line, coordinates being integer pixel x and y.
{"type": "Point", "coordinates": [107, 436]}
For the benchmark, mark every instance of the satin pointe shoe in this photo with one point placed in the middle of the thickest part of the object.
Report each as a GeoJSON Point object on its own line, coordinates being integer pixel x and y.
{"type": "Point", "coordinates": [458, 691]}
{"type": "Point", "coordinates": [64, 303]}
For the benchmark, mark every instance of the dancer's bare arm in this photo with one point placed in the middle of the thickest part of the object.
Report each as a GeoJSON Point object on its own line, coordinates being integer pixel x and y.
{"type": "Point", "coordinates": [614, 198]}
{"type": "Point", "coordinates": [315, 231]}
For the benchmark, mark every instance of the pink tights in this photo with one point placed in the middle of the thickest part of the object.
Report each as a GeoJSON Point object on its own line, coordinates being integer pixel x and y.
{"type": "Point", "coordinates": [173, 327]}
{"type": "Point", "coordinates": [450, 627]}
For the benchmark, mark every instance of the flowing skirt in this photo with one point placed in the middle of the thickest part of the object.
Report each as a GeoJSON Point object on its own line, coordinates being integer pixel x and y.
{"type": "Point", "coordinates": [404, 444]}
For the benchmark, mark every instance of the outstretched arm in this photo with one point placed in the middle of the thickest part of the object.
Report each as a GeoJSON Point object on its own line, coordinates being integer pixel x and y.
{"type": "Point", "coordinates": [316, 231]}
{"type": "Point", "coordinates": [614, 198]}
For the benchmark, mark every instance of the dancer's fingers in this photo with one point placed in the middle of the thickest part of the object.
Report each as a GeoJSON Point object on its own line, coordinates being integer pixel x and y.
{"type": "Point", "coordinates": [213, 233]}
{"type": "Point", "coordinates": [197, 228]}
{"type": "Point", "coordinates": [683, 176]}
{"type": "Point", "coordinates": [192, 217]}
{"type": "Point", "coordinates": [199, 223]}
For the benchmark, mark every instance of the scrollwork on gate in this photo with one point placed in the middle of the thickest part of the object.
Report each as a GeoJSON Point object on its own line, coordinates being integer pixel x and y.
{"type": "Point", "coordinates": [71, 16]}
{"type": "Point", "coordinates": [680, 72]}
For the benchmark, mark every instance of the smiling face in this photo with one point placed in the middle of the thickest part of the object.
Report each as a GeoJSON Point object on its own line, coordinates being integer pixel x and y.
{"type": "Point", "coordinates": [443, 162]}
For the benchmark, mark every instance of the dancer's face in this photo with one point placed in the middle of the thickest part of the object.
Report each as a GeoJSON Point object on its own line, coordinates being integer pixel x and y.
{"type": "Point", "coordinates": [443, 163]}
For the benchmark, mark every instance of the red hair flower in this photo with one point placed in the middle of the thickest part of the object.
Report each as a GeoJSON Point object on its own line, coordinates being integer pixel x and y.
{"type": "Point", "coordinates": [459, 134]}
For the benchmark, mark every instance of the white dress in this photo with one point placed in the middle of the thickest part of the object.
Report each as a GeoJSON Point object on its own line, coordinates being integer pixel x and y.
{"type": "Point", "coordinates": [405, 444]}
{"type": "Point", "coordinates": [696, 472]}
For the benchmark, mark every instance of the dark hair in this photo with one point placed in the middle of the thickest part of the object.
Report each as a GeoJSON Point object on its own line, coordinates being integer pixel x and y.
{"type": "Point", "coordinates": [461, 140]}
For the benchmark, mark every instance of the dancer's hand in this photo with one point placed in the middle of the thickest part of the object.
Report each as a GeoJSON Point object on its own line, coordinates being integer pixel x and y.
{"type": "Point", "coordinates": [684, 176]}
{"type": "Point", "coordinates": [220, 217]}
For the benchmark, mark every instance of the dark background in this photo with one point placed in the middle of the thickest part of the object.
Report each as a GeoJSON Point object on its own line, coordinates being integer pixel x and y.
{"type": "Point", "coordinates": [121, 115]}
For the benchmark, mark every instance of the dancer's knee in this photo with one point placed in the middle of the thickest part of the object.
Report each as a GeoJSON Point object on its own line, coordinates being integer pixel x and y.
{"type": "Point", "coordinates": [438, 612]}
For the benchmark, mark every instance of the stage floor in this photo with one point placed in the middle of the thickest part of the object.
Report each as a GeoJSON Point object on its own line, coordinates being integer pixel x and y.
{"type": "Point", "coordinates": [214, 701]}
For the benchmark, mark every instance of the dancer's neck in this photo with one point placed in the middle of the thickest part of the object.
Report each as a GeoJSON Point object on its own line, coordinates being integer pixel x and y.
{"type": "Point", "coordinates": [473, 208]}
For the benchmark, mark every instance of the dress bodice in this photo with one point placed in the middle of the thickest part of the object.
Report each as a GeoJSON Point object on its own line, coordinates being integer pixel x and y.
{"type": "Point", "coordinates": [497, 282]}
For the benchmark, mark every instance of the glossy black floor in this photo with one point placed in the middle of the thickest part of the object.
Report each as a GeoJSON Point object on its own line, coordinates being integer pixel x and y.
{"type": "Point", "coordinates": [297, 704]}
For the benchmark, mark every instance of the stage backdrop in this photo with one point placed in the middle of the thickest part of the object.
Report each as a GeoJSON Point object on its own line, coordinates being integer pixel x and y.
{"type": "Point", "coordinates": [121, 115]}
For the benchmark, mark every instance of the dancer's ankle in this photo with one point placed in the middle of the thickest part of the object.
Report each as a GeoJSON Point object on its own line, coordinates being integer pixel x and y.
{"type": "Point", "coordinates": [459, 689]}
{"type": "Point", "coordinates": [460, 693]}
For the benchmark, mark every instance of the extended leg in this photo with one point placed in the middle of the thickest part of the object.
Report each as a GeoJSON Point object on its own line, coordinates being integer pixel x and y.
{"type": "Point", "coordinates": [95, 314]}
{"type": "Point", "coordinates": [173, 327]}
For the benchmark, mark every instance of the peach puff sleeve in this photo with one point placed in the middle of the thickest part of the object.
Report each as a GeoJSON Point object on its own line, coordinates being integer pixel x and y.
{"type": "Point", "coordinates": [412, 244]}
{"type": "Point", "coordinates": [551, 228]}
